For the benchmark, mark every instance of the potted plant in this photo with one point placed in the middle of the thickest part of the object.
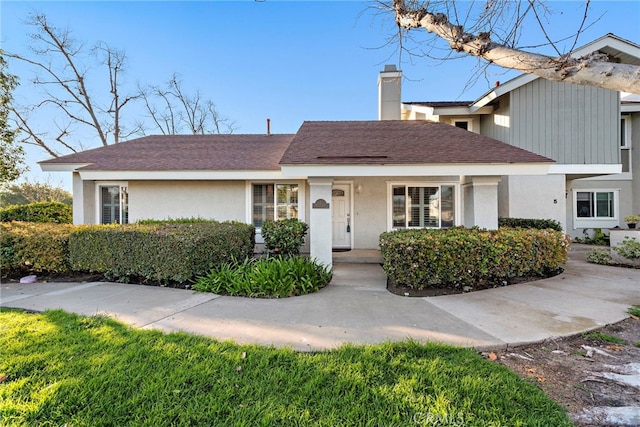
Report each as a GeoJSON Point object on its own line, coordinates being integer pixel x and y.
{"type": "Point", "coordinates": [632, 220]}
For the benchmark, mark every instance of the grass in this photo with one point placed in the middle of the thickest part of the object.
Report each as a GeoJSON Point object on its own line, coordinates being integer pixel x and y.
{"type": "Point", "coordinates": [599, 336]}
{"type": "Point", "coordinates": [58, 368]}
{"type": "Point", "coordinates": [634, 311]}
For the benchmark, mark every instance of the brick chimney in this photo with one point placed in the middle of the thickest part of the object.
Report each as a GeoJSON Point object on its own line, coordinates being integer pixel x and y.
{"type": "Point", "coordinates": [389, 92]}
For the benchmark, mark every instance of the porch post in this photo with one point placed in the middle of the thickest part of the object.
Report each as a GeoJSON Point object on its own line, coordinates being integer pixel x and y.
{"type": "Point", "coordinates": [78, 199]}
{"type": "Point", "coordinates": [320, 228]}
{"type": "Point", "coordinates": [481, 201]}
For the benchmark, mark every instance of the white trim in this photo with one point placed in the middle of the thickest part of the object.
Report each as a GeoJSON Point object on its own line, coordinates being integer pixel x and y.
{"type": "Point", "coordinates": [182, 175]}
{"type": "Point", "coordinates": [98, 202]}
{"type": "Point", "coordinates": [457, 198]}
{"type": "Point", "coordinates": [596, 222]}
{"type": "Point", "coordinates": [573, 169]}
{"type": "Point", "coordinates": [351, 207]}
{"type": "Point", "coordinates": [630, 108]}
{"type": "Point", "coordinates": [62, 167]}
{"type": "Point", "coordinates": [443, 169]}
{"type": "Point", "coordinates": [249, 201]}
{"type": "Point", "coordinates": [468, 120]}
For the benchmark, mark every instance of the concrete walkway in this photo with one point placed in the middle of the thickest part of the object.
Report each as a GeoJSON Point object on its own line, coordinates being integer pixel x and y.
{"type": "Point", "coordinates": [357, 308]}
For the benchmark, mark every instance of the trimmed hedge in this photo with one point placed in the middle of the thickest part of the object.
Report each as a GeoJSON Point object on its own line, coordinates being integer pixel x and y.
{"type": "Point", "coordinates": [27, 248]}
{"type": "Point", "coordinates": [44, 212]}
{"type": "Point", "coordinates": [169, 252]}
{"type": "Point", "coordinates": [470, 257]}
{"type": "Point", "coordinates": [284, 237]}
{"type": "Point", "coordinates": [539, 224]}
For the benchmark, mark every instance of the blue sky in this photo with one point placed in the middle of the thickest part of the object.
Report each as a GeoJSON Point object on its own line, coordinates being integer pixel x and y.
{"type": "Point", "coordinates": [289, 61]}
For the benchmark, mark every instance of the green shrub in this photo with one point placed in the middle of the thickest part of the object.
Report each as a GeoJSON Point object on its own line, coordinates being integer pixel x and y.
{"type": "Point", "coordinates": [27, 248]}
{"type": "Point", "coordinates": [628, 248]}
{"type": "Point", "coordinates": [599, 237]}
{"type": "Point", "coordinates": [540, 224]}
{"type": "Point", "coordinates": [458, 256]}
{"type": "Point", "coordinates": [270, 277]}
{"type": "Point", "coordinates": [168, 252]}
{"type": "Point", "coordinates": [284, 237]}
{"type": "Point", "coordinates": [45, 212]}
{"type": "Point", "coordinates": [600, 256]}
{"type": "Point", "coordinates": [191, 220]}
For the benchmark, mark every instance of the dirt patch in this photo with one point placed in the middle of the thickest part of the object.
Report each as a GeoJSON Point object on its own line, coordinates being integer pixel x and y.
{"type": "Point", "coordinates": [457, 289]}
{"type": "Point", "coordinates": [582, 372]}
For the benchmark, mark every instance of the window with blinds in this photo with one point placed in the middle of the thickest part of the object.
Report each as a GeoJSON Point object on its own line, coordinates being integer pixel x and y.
{"type": "Point", "coordinates": [274, 202]}
{"type": "Point", "coordinates": [423, 206]}
{"type": "Point", "coordinates": [114, 204]}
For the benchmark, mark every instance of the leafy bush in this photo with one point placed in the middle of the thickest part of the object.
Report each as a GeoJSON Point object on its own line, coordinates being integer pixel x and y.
{"type": "Point", "coordinates": [628, 248]}
{"type": "Point", "coordinates": [175, 221]}
{"type": "Point", "coordinates": [458, 256]}
{"type": "Point", "coordinates": [27, 248]}
{"type": "Point", "coordinates": [600, 256]}
{"type": "Point", "coordinates": [284, 237]}
{"type": "Point", "coordinates": [45, 212]}
{"type": "Point", "coordinates": [270, 277]}
{"type": "Point", "coordinates": [540, 224]}
{"type": "Point", "coordinates": [598, 238]}
{"type": "Point", "coordinates": [169, 252]}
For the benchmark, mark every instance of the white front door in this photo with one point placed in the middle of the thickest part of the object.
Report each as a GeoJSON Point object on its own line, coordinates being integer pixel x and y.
{"type": "Point", "coordinates": [341, 216]}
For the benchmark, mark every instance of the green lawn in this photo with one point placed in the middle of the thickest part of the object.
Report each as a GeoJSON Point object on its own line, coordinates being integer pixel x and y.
{"type": "Point", "coordinates": [58, 368]}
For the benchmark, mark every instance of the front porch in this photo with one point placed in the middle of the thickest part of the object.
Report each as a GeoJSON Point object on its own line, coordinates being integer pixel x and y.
{"type": "Point", "coordinates": [357, 256]}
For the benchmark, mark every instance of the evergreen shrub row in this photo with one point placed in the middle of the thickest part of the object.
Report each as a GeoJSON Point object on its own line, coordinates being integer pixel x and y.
{"type": "Point", "coordinates": [43, 212]}
{"type": "Point", "coordinates": [161, 252]}
{"type": "Point", "coordinates": [540, 224]}
{"type": "Point", "coordinates": [422, 258]}
{"type": "Point", "coordinates": [27, 247]}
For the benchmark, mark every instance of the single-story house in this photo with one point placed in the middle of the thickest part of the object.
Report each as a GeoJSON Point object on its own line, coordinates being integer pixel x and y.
{"type": "Point", "coordinates": [349, 180]}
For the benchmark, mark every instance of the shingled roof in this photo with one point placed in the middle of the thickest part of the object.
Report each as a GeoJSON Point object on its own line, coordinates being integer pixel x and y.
{"type": "Point", "coordinates": [184, 153]}
{"type": "Point", "coordinates": [397, 142]}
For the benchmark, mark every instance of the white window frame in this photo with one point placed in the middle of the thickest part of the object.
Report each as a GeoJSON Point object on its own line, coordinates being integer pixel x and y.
{"type": "Point", "coordinates": [596, 222]}
{"type": "Point", "coordinates": [98, 198]}
{"type": "Point", "coordinates": [456, 199]}
{"type": "Point", "coordinates": [468, 120]}
{"type": "Point", "coordinates": [625, 126]}
{"type": "Point", "coordinates": [249, 201]}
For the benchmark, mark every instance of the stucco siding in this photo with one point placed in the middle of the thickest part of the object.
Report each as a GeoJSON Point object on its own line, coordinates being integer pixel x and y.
{"type": "Point", "coordinates": [219, 200]}
{"type": "Point", "coordinates": [569, 123]}
{"type": "Point", "coordinates": [538, 197]}
{"type": "Point", "coordinates": [370, 215]}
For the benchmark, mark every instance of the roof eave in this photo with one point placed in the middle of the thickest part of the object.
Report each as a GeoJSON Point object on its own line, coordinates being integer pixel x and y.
{"type": "Point", "coordinates": [432, 169]}
{"type": "Point", "coordinates": [62, 167]}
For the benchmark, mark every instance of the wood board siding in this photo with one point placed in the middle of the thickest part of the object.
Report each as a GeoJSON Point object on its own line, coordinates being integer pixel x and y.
{"type": "Point", "coordinates": [569, 123]}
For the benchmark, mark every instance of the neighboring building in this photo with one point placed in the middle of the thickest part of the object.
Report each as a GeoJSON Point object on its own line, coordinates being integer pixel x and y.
{"type": "Point", "coordinates": [350, 181]}
{"type": "Point", "coordinates": [593, 135]}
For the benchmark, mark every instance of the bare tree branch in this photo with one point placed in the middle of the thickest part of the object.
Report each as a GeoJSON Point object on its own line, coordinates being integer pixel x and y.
{"type": "Point", "coordinates": [591, 70]}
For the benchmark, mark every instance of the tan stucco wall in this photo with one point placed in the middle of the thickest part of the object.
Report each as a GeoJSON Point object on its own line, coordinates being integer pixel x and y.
{"type": "Point", "coordinates": [220, 200]}
{"type": "Point", "coordinates": [538, 197]}
{"type": "Point", "coordinates": [370, 213]}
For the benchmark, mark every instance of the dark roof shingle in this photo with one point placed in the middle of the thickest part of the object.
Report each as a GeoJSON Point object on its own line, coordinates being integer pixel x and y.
{"type": "Point", "coordinates": [185, 152]}
{"type": "Point", "coordinates": [397, 142]}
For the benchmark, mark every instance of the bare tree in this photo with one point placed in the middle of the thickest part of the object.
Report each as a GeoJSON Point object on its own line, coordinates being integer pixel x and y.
{"type": "Point", "coordinates": [83, 97]}
{"type": "Point", "coordinates": [490, 30]}
{"type": "Point", "coordinates": [67, 89]}
{"type": "Point", "coordinates": [173, 111]}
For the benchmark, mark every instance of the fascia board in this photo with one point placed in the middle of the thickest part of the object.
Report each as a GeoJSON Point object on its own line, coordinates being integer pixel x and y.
{"type": "Point", "coordinates": [182, 175]}
{"type": "Point", "coordinates": [447, 169]}
{"type": "Point", "coordinates": [62, 167]}
{"type": "Point", "coordinates": [570, 169]}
